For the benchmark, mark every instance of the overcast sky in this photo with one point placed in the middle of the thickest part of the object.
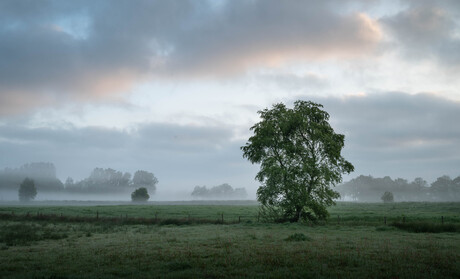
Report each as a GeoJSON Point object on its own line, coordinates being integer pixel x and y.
{"type": "Point", "coordinates": [173, 87]}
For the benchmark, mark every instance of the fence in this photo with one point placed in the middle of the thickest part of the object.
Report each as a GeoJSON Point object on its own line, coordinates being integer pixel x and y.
{"type": "Point", "coordinates": [125, 219]}
{"type": "Point", "coordinates": [220, 218]}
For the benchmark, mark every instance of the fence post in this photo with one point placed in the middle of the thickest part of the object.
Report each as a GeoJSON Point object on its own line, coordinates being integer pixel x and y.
{"type": "Point", "coordinates": [222, 218]}
{"type": "Point", "coordinates": [385, 220]}
{"type": "Point", "coordinates": [338, 219]}
{"type": "Point", "coordinates": [97, 214]}
{"type": "Point", "coordinates": [239, 219]}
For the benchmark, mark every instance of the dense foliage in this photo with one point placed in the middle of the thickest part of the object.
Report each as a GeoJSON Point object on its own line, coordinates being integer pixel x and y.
{"type": "Point", "coordinates": [300, 161]}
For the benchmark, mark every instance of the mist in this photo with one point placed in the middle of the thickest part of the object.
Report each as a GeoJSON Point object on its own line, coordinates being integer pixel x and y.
{"type": "Point", "coordinates": [104, 185]}
{"type": "Point", "coordinates": [110, 185]}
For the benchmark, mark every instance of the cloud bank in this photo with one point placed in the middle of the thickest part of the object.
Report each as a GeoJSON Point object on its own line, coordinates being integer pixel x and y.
{"type": "Point", "coordinates": [54, 50]}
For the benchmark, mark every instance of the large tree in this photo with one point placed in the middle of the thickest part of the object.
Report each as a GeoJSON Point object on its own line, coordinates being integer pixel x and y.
{"type": "Point", "coordinates": [300, 161]}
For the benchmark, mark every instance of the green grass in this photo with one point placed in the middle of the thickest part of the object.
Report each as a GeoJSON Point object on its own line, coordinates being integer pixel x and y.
{"type": "Point", "coordinates": [374, 213]}
{"type": "Point", "coordinates": [360, 246]}
{"type": "Point", "coordinates": [343, 212]}
{"type": "Point", "coordinates": [211, 212]}
{"type": "Point", "coordinates": [426, 227]}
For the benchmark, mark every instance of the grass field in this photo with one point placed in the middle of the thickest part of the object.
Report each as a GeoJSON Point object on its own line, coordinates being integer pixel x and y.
{"type": "Point", "coordinates": [355, 245]}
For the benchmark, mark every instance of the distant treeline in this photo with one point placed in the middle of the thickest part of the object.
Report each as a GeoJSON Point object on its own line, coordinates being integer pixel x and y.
{"type": "Point", "coordinates": [370, 189]}
{"type": "Point", "coordinates": [99, 181]}
{"type": "Point", "coordinates": [224, 191]}
{"type": "Point", "coordinates": [43, 174]}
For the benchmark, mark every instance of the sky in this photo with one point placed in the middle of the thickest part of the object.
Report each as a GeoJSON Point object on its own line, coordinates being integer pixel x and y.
{"type": "Point", "coordinates": [172, 87]}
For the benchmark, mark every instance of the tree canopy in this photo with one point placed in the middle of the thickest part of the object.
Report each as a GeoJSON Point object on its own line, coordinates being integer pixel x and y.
{"type": "Point", "coordinates": [300, 160]}
{"type": "Point", "coordinates": [145, 179]}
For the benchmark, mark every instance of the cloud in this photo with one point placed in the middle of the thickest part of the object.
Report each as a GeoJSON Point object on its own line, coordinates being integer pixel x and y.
{"type": "Point", "coordinates": [398, 134]}
{"type": "Point", "coordinates": [269, 33]}
{"type": "Point", "coordinates": [428, 30]}
{"type": "Point", "coordinates": [71, 50]}
{"type": "Point", "coordinates": [294, 82]}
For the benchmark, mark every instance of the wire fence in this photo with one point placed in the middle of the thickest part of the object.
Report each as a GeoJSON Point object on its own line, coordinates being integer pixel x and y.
{"type": "Point", "coordinates": [126, 219]}
{"type": "Point", "coordinates": [220, 218]}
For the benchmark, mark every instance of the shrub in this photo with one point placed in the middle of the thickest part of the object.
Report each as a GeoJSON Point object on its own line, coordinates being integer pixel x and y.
{"type": "Point", "coordinates": [140, 195]}
{"type": "Point", "coordinates": [387, 197]}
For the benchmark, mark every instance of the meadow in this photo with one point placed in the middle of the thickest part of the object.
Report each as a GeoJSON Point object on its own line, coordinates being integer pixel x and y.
{"type": "Point", "coordinates": [130, 241]}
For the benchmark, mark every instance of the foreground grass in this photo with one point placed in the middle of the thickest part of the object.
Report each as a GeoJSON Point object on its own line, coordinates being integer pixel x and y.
{"type": "Point", "coordinates": [240, 250]}
{"type": "Point", "coordinates": [359, 246]}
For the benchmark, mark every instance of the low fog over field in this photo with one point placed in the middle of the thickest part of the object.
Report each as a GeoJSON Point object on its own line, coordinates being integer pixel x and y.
{"type": "Point", "coordinates": [172, 88]}
{"type": "Point", "coordinates": [111, 185]}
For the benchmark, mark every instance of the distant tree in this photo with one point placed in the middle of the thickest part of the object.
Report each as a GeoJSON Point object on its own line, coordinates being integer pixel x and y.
{"type": "Point", "coordinates": [300, 161]}
{"type": "Point", "coordinates": [145, 179]}
{"type": "Point", "coordinates": [27, 190]}
{"type": "Point", "coordinates": [126, 179]}
{"type": "Point", "coordinates": [441, 189]}
{"type": "Point", "coordinates": [420, 182]}
{"type": "Point", "coordinates": [223, 191]}
{"type": "Point", "coordinates": [140, 195]}
{"type": "Point", "coordinates": [43, 175]}
{"type": "Point", "coordinates": [446, 189]}
{"type": "Point", "coordinates": [102, 181]}
{"type": "Point", "coordinates": [387, 197]}
{"type": "Point", "coordinates": [200, 191]}
{"type": "Point", "coordinates": [68, 182]}
{"type": "Point", "coordinates": [370, 189]}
